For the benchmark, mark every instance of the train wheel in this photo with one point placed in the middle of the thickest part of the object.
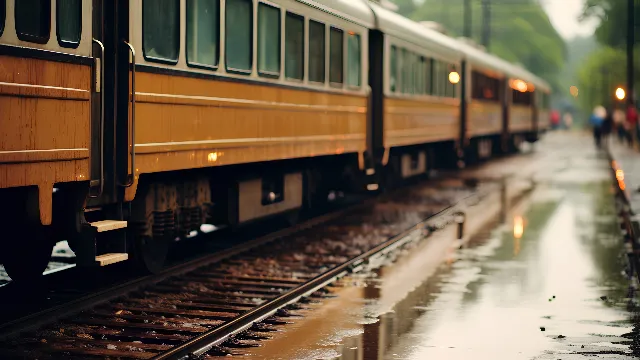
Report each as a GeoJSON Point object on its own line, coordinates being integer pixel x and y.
{"type": "Point", "coordinates": [27, 258]}
{"type": "Point", "coordinates": [150, 253]}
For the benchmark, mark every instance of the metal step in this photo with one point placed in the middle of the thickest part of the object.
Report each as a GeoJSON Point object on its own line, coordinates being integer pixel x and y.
{"type": "Point", "coordinates": [108, 259]}
{"type": "Point", "coordinates": [109, 225]}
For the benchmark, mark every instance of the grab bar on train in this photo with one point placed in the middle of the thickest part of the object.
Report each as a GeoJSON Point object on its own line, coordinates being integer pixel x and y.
{"type": "Point", "coordinates": [100, 88]}
{"type": "Point", "coordinates": [133, 115]}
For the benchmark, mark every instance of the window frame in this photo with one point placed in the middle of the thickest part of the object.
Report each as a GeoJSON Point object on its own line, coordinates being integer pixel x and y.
{"type": "Point", "coordinates": [3, 5]}
{"type": "Point", "coordinates": [252, 42]}
{"type": "Point", "coordinates": [30, 37]}
{"type": "Point", "coordinates": [65, 43]}
{"type": "Point", "coordinates": [177, 30]}
{"type": "Point", "coordinates": [288, 13]}
{"type": "Point", "coordinates": [324, 47]}
{"type": "Point", "coordinates": [333, 84]}
{"type": "Point", "coordinates": [267, 74]}
{"type": "Point", "coordinates": [196, 65]}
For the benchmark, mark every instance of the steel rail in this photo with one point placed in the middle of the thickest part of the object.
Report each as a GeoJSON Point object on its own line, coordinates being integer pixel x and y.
{"type": "Point", "coordinates": [53, 314]}
{"type": "Point", "coordinates": [204, 342]}
{"type": "Point", "coordinates": [626, 212]}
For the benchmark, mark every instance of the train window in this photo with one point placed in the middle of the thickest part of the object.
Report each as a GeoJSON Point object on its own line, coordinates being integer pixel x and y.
{"type": "Point", "coordinates": [203, 27]}
{"type": "Point", "coordinates": [69, 22]}
{"type": "Point", "coordinates": [435, 80]}
{"type": "Point", "coordinates": [294, 47]}
{"type": "Point", "coordinates": [409, 74]}
{"type": "Point", "coordinates": [239, 36]}
{"type": "Point", "coordinates": [268, 41]}
{"type": "Point", "coordinates": [521, 98]}
{"type": "Point", "coordinates": [317, 51]}
{"type": "Point", "coordinates": [404, 64]}
{"type": "Point", "coordinates": [421, 76]}
{"type": "Point", "coordinates": [3, 10]}
{"type": "Point", "coordinates": [336, 56]}
{"type": "Point", "coordinates": [161, 30]}
{"type": "Point", "coordinates": [393, 69]}
{"type": "Point", "coordinates": [354, 60]}
{"type": "Point", "coordinates": [33, 20]}
{"type": "Point", "coordinates": [448, 85]}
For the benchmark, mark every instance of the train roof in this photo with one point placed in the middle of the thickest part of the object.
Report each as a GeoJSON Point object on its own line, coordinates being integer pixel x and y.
{"type": "Point", "coordinates": [396, 25]}
{"type": "Point", "coordinates": [351, 10]}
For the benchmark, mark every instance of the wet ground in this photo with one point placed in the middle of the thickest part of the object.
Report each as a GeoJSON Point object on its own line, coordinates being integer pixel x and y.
{"type": "Point", "coordinates": [544, 281]}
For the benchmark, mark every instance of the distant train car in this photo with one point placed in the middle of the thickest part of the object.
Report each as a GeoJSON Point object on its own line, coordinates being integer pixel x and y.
{"type": "Point", "coordinates": [129, 124]}
{"type": "Point", "coordinates": [415, 85]}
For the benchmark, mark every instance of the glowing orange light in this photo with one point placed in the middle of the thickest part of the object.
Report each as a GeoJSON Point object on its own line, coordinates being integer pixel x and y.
{"type": "Point", "coordinates": [212, 157]}
{"type": "Point", "coordinates": [454, 77]}
{"type": "Point", "coordinates": [620, 175]}
{"type": "Point", "coordinates": [518, 227]}
{"type": "Point", "coordinates": [531, 88]}
{"type": "Point", "coordinates": [620, 94]}
{"type": "Point", "coordinates": [574, 91]}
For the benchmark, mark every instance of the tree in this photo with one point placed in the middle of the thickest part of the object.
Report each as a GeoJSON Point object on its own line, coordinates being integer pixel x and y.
{"type": "Point", "coordinates": [405, 7]}
{"type": "Point", "coordinates": [520, 32]}
{"type": "Point", "coordinates": [612, 14]}
{"type": "Point", "coordinates": [600, 75]}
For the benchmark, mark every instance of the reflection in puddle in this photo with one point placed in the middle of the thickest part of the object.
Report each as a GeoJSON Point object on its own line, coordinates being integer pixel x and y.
{"type": "Point", "coordinates": [546, 284]}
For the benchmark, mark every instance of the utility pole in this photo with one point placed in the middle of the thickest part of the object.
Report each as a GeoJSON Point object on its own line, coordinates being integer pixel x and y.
{"type": "Point", "coordinates": [486, 23]}
{"type": "Point", "coordinates": [467, 19]}
{"type": "Point", "coordinates": [630, 43]}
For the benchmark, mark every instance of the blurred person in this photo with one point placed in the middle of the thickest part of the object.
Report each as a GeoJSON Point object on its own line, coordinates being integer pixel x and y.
{"type": "Point", "coordinates": [632, 123]}
{"type": "Point", "coordinates": [620, 124]}
{"type": "Point", "coordinates": [555, 119]}
{"type": "Point", "coordinates": [567, 119]}
{"type": "Point", "coordinates": [596, 120]}
{"type": "Point", "coordinates": [607, 126]}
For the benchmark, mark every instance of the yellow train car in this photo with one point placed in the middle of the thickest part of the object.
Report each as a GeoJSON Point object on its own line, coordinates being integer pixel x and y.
{"type": "Point", "coordinates": [46, 86]}
{"type": "Point", "coordinates": [230, 111]}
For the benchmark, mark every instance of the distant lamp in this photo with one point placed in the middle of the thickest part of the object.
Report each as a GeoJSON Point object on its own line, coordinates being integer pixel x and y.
{"type": "Point", "coordinates": [454, 77]}
{"type": "Point", "coordinates": [620, 94]}
{"type": "Point", "coordinates": [574, 91]}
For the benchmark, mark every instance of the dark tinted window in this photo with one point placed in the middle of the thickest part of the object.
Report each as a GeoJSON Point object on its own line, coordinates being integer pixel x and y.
{"type": "Point", "coordinates": [294, 47]}
{"type": "Point", "coordinates": [3, 7]}
{"type": "Point", "coordinates": [336, 56]}
{"type": "Point", "coordinates": [203, 27]}
{"type": "Point", "coordinates": [33, 20]}
{"type": "Point", "coordinates": [317, 51]}
{"type": "Point", "coordinates": [69, 22]}
{"type": "Point", "coordinates": [161, 30]}
{"type": "Point", "coordinates": [239, 35]}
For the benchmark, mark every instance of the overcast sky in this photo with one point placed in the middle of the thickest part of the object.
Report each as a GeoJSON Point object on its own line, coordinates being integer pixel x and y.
{"type": "Point", "coordinates": [564, 16]}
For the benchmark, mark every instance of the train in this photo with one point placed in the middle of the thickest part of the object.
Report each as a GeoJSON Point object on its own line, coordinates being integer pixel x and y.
{"type": "Point", "coordinates": [128, 124]}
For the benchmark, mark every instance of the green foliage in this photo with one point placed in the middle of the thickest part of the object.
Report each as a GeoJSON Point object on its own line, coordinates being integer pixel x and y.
{"type": "Point", "coordinates": [605, 69]}
{"type": "Point", "coordinates": [520, 31]}
{"type": "Point", "coordinates": [405, 7]}
{"type": "Point", "coordinates": [612, 14]}
{"type": "Point", "coordinates": [600, 75]}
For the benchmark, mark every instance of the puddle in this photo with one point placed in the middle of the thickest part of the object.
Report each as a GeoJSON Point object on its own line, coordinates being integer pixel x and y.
{"type": "Point", "coordinates": [547, 283]}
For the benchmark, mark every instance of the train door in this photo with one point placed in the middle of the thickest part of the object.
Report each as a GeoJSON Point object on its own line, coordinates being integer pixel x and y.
{"type": "Point", "coordinates": [506, 100]}
{"type": "Point", "coordinates": [111, 120]}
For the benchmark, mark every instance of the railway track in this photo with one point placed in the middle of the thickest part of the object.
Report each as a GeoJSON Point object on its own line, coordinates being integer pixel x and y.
{"type": "Point", "coordinates": [227, 302]}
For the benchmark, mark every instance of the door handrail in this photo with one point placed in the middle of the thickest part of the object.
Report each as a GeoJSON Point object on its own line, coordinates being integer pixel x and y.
{"type": "Point", "coordinates": [101, 89]}
{"type": "Point", "coordinates": [133, 115]}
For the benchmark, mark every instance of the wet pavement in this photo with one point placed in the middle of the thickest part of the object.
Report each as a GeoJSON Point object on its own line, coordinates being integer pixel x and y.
{"type": "Point", "coordinates": [546, 280]}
